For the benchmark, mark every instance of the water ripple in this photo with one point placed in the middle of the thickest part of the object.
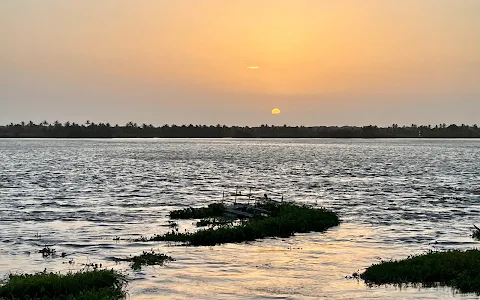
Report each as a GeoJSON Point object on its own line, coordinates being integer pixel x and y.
{"type": "Point", "coordinates": [395, 197]}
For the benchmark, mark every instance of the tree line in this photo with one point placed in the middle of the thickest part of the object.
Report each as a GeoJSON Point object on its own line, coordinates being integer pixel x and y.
{"type": "Point", "coordinates": [134, 130]}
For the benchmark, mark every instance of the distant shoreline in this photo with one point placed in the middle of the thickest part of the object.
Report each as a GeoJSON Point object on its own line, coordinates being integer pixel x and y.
{"type": "Point", "coordinates": [132, 130]}
{"type": "Point", "coordinates": [236, 138]}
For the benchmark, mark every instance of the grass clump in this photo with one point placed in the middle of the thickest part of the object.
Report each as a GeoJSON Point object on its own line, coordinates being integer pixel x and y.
{"type": "Point", "coordinates": [457, 269]}
{"type": "Point", "coordinates": [96, 284]}
{"type": "Point", "coordinates": [212, 210]}
{"type": "Point", "coordinates": [48, 252]}
{"type": "Point", "coordinates": [476, 233]}
{"type": "Point", "coordinates": [146, 259]}
{"type": "Point", "coordinates": [285, 220]}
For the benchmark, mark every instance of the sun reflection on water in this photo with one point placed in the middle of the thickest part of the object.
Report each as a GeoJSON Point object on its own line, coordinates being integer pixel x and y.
{"type": "Point", "coordinates": [396, 198]}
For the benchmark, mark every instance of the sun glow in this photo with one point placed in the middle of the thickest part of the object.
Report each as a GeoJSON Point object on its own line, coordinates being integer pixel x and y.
{"type": "Point", "coordinates": [299, 55]}
{"type": "Point", "coordinates": [275, 111]}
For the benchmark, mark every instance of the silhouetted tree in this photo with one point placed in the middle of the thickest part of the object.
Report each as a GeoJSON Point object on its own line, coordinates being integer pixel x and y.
{"type": "Point", "coordinates": [132, 130]}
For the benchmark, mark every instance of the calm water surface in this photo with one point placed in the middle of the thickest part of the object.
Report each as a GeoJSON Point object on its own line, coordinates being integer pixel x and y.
{"type": "Point", "coordinates": [395, 198]}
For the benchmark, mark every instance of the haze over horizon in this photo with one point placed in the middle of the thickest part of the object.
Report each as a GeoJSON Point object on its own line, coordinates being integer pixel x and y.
{"type": "Point", "coordinates": [231, 62]}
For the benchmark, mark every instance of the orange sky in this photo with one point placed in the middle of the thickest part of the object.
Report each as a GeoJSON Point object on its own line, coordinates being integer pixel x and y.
{"type": "Point", "coordinates": [321, 62]}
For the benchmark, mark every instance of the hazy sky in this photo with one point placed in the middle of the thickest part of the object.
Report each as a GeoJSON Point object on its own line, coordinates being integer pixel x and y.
{"type": "Point", "coordinates": [321, 62]}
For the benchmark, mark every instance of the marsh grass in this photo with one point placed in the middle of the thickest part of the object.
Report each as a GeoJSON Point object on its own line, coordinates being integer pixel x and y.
{"type": "Point", "coordinates": [146, 259]}
{"type": "Point", "coordinates": [285, 220]}
{"type": "Point", "coordinates": [212, 222]}
{"type": "Point", "coordinates": [96, 284]}
{"type": "Point", "coordinates": [211, 211]}
{"type": "Point", "coordinates": [457, 269]}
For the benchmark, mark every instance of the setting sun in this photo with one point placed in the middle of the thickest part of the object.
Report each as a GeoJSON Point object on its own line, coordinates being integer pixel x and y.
{"type": "Point", "coordinates": [275, 111]}
{"type": "Point", "coordinates": [325, 61]}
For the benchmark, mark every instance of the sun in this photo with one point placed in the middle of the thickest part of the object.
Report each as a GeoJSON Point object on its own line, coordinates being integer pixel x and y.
{"type": "Point", "coordinates": [275, 111]}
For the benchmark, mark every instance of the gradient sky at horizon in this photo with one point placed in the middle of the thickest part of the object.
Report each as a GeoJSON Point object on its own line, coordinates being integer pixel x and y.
{"type": "Point", "coordinates": [322, 62]}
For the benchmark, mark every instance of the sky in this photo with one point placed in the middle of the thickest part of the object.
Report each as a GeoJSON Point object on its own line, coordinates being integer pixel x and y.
{"type": "Point", "coordinates": [321, 62]}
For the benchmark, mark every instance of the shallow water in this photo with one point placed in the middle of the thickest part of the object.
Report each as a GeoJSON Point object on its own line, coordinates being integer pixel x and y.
{"type": "Point", "coordinates": [395, 198]}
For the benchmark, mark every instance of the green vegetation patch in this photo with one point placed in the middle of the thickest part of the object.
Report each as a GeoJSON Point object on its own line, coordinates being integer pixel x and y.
{"type": "Point", "coordinates": [284, 220]}
{"type": "Point", "coordinates": [146, 259]}
{"type": "Point", "coordinates": [456, 269]}
{"type": "Point", "coordinates": [96, 284]}
{"type": "Point", "coordinates": [211, 211]}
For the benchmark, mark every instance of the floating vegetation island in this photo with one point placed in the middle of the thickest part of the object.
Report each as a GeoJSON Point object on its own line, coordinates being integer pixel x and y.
{"type": "Point", "coordinates": [96, 284]}
{"type": "Point", "coordinates": [457, 269]}
{"type": "Point", "coordinates": [146, 259]}
{"type": "Point", "coordinates": [244, 222]}
{"type": "Point", "coordinates": [211, 211]}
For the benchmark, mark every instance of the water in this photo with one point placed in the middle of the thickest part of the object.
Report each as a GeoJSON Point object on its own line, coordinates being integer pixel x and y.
{"type": "Point", "coordinates": [395, 198]}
